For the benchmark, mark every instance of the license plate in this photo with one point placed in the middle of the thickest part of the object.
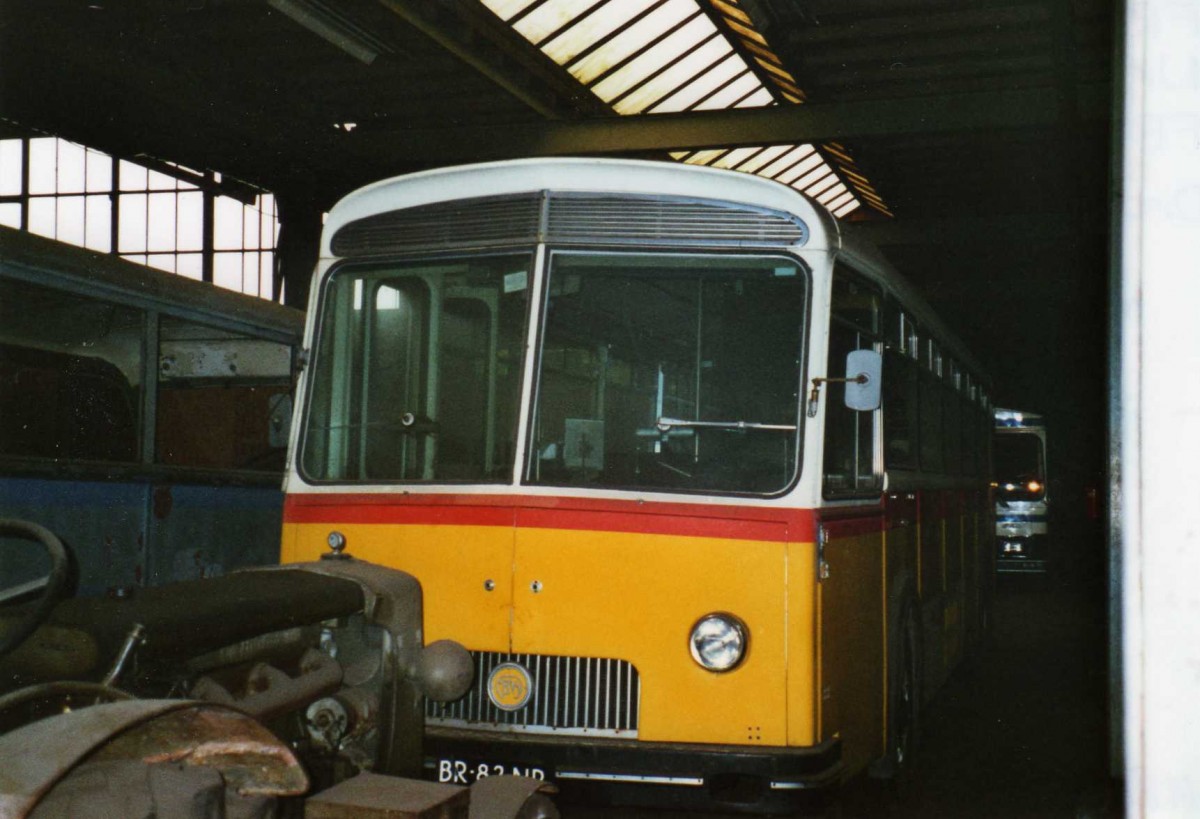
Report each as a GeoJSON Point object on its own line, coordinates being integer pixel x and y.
{"type": "Point", "coordinates": [463, 772]}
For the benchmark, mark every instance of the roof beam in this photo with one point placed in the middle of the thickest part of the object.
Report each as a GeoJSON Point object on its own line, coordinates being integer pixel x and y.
{"type": "Point", "coordinates": [902, 51]}
{"type": "Point", "coordinates": [954, 22]}
{"type": "Point", "coordinates": [813, 122]}
{"type": "Point", "coordinates": [481, 41]}
{"type": "Point", "coordinates": [982, 230]}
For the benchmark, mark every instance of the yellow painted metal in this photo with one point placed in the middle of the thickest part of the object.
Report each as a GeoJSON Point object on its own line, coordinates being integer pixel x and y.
{"type": "Point", "coordinates": [851, 611]}
{"type": "Point", "coordinates": [623, 595]}
{"type": "Point", "coordinates": [453, 563]}
{"type": "Point", "coordinates": [637, 597]}
{"type": "Point", "coordinates": [802, 643]}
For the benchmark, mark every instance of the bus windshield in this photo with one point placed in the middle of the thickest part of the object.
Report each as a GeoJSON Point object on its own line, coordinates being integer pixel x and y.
{"type": "Point", "coordinates": [417, 372]}
{"type": "Point", "coordinates": [1019, 465]}
{"type": "Point", "coordinates": [1018, 458]}
{"type": "Point", "coordinates": [661, 371]}
{"type": "Point", "coordinates": [671, 372]}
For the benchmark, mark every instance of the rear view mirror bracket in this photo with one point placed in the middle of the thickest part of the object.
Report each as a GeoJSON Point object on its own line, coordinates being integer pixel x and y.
{"type": "Point", "coordinates": [864, 380]}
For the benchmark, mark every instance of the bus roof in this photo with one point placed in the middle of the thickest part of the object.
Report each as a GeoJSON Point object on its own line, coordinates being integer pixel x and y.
{"type": "Point", "coordinates": [593, 175]}
{"type": "Point", "coordinates": [1017, 418]}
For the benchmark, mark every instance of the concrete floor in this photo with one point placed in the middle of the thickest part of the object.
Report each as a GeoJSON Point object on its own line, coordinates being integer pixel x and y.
{"type": "Point", "coordinates": [1019, 730]}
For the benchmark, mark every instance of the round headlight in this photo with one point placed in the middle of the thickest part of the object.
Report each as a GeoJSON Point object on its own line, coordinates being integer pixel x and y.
{"type": "Point", "coordinates": [718, 641]}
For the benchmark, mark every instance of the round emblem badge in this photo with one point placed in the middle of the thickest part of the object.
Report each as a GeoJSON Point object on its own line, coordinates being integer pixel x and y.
{"type": "Point", "coordinates": [509, 686]}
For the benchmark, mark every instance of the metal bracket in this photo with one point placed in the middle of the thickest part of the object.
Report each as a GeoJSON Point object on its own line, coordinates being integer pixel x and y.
{"type": "Point", "coordinates": [822, 563]}
{"type": "Point", "coordinates": [814, 395]}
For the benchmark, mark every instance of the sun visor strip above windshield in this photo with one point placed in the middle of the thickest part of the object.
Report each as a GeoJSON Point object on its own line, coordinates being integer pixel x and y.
{"type": "Point", "coordinates": [568, 218]}
{"type": "Point", "coordinates": [484, 222]}
{"type": "Point", "coordinates": [643, 220]}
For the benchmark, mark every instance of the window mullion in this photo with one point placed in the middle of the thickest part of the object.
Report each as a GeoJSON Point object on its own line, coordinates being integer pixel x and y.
{"type": "Point", "coordinates": [25, 184]}
{"type": "Point", "coordinates": [114, 205]}
{"type": "Point", "coordinates": [208, 244]}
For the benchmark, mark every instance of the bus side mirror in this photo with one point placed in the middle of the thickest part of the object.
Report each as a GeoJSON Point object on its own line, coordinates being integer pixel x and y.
{"type": "Point", "coordinates": [864, 380]}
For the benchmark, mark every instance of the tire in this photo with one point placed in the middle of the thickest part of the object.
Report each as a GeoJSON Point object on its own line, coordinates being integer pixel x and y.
{"type": "Point", "coordinates": [904, 700]}
{"type": "Point", "coordinates": [904, 695]}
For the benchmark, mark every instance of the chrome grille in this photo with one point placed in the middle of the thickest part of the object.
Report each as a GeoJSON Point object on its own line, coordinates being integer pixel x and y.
{"type": "Point", "coordinates": [654, 220]}
{"type": "Point", "coordinates": [483, 222]}
{"type": "Point", "coordinates": [567, 218]}
{"type": "Point", "coordinates": [571, 696]}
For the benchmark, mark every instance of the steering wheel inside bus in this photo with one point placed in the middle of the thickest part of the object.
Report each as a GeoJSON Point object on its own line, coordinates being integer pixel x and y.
{"type": "Point", "coordinates": [52, 586]}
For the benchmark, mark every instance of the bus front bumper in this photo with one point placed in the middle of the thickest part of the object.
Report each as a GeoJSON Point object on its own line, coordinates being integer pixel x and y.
{"type": "Point", "coordinates": [1024, 553]}
{"type": "Point", "coordinates": [614, 771]}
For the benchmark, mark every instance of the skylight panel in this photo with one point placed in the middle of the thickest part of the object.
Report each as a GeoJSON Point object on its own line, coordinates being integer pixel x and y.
{"type": "Point", "coordinates": [814, 160]}
{"type": "Point", "coordinates": [815, 189]}
{"type": "Point", "coordinates": [591, 29]}
{"type": "Point", "coordinates": [632, 40]}
{"type": "Point", "coordinates": [705, 157]}
{"type": "Point", "coordinates": [786, 161]}
{"type": "Point", "coordinates": [831, 194]}
{"type": "Point", "coordinates": [548, 18]}
{"type": "Point", "coordinates": [763, 158]}
{"type": "Point", "coordinates": [732, 94]}
{"type": "Point", "coordinates": [697, 75]}
{"type": "Point", "coordinates": [736, 157]}
{"type": "Point", "coordinates": [645, 57]}
{"type": "Point", "coordinates": [507, 9]}
{"type": "Point", "coordinates": [839, 201]}
{"type": "Point", "coordinates": [644, 69]}
{"type": "Point", "coordinates": [815, 181]}
{"type": "Point", "coordinates": [809, 179]}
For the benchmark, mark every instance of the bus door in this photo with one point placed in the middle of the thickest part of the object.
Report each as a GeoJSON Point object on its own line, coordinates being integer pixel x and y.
{"type": "Point", "coordinates": [850, 541]}
{"type": "Point", "coordinates": [851, 620]}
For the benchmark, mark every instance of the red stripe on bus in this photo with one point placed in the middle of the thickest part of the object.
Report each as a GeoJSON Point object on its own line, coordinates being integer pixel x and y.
{"type": "Point", "coordinates": [651, 521]}
{"type": "Point", "coordinates": [582, 514]}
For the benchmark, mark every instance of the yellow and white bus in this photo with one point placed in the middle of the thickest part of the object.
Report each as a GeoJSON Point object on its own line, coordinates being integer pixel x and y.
{"type": "Point", "coordinates": [625, 422]}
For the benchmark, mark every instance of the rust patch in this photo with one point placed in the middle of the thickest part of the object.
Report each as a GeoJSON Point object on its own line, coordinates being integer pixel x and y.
{"type": "Point", "coordinates": [251, 758]}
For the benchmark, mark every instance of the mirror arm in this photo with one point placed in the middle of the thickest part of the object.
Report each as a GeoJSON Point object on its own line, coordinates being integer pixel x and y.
{"type": "Point", "coordinates": [815, 394]}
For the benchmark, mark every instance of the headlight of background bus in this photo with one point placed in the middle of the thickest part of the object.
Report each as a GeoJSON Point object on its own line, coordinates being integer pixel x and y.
{"type": "Point", "coordinates": [718, 641]}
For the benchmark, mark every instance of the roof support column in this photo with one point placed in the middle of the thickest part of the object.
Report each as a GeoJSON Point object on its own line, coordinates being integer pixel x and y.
{"type": "Point", "coordinates": [297, 249]}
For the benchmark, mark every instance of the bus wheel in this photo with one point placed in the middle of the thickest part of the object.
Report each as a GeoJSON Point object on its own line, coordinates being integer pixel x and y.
{"type": "Point", "coordinates": [904, 699]}
{"type": "Point", "coordinates": [905, 696]}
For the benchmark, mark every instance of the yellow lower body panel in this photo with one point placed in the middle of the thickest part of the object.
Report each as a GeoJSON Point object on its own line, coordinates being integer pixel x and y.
{"type": "Point", "coordinates": [630, 596]}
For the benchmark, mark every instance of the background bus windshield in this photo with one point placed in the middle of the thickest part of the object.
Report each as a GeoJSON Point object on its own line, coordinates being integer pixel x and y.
{"type": "Point", "coordinates": [669, 372]}
{"type": "Point", "coordinates": [1018, 458]}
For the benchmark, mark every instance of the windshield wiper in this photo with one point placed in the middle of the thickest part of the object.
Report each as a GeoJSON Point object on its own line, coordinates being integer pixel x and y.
{"type": "Point", "coordinates": [666, 424]}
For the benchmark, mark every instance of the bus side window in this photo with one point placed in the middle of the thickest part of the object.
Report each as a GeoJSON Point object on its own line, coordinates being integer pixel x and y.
{"type": "Point", "coordinates": [952, 422]}
{"type": "Point", "coordinates": [70, 371]}
{"type": "Point", "coordinates": [849, 435]}
{"type": "Point", "coordinates": [216, 397]}
{"type": "Point", "coordinates": [931, 389]}
{"type": "Point", "coordinates": [899, 411]}
{"type": "Point", "coordinates": [970, 423]}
